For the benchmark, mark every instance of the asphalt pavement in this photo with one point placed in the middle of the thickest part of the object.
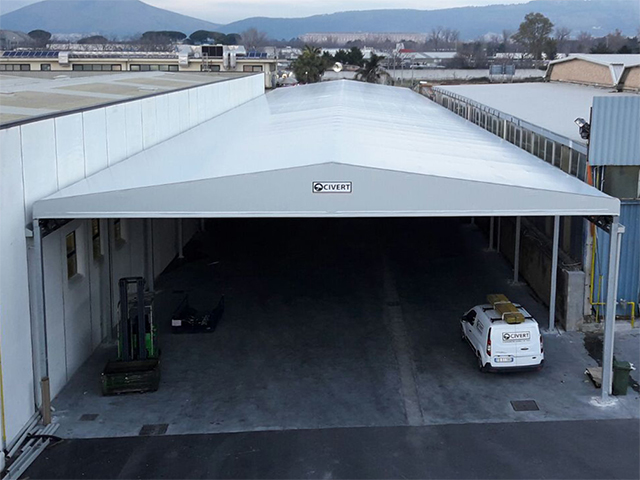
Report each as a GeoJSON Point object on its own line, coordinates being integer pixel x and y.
{"type": "Point", "coordinates": [575, 449]}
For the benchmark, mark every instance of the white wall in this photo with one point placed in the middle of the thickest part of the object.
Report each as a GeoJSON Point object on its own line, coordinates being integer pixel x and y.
{"type": "Point", "coordinates": [15, 329]}
{"type": "Point", "coordinates": [36, 160]}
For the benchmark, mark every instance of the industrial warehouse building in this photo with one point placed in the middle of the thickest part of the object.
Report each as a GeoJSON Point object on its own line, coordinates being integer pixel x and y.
{"type": "Point", "coordinates": [206, 58]}
{"type": "Point", "coordinates": [298, 205]}
{"type": "Point", "coordinates": [619, 71]}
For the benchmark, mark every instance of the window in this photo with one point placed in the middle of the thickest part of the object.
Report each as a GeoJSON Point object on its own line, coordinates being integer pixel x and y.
{"type": "Point", "coordinates": [210, 68]}
{"type": "Point", "coordinates": [95, 239]}
{"type": "Point", "coordinates": [14, 67]}
{"type": "Point", "coordinates": [72, 255]}
{"type": "Point", "coordinates": [96, 67]}
{"type": "Point", "coordinates": [45, 67]}
{"type": "Point", "coordinates": [252, 68]}
{"type": "Point", "coordinates": [153, 68]}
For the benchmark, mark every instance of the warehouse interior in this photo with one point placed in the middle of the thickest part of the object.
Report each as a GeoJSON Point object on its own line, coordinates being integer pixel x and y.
{"type": "Point", "coordinates": [310, 336]}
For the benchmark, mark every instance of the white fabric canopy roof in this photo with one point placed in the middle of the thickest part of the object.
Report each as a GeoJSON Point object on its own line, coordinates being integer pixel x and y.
{"type": "Point", "coordinates": [403, 154]}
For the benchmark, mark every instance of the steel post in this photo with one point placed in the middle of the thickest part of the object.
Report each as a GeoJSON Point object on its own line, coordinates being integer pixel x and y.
{"type": "Point", "coordinates": [615, 239]}
{"type": "Point", "coordinates": [554, 273]}
{"type": "Point", "coordinates": [180, 239]}
{"type": "Point", "coordinates": [516, 254]}
{"type": "Point", "coordinates": [491, 227]}
{"type": "Point", "coordinates": [40, 318]}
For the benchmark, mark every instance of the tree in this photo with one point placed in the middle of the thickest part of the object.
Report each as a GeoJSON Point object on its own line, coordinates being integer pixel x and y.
{"type": "Point", "coordinates": [435, 36]}
{"type": "Point", "coordinates": [309, 66]}
{"type": "Point", "coordinates": [206, 36]}
{"type": "Point", "coordinates": [562, 35]}
{"type": "Point", "coordinates": [328, 60]}
{"type": "Point", "coordinates": [40, 37]}
{"type": "Point", "coordinates": [551, 49]}
{"type": "Point", "coordinates": [232, 39]}
{"type": "Point", "coordinates": [372, 70]}
{"type": "Point", "coordinates": [355, 57]}
{"type": "Point", "coordinates": [601, 47]}
{"type": "Point", "coordinates": [93, 40]}
{"type": "Point", "coordinates": [162, 37]}
{"type": "Point", "coordinates": [584, 42]}
{"type": "Point", "coordinates": [533, 34]}
{"type": "Point", "coordinates": [342, 56]}
{"type": "Point", "coordinates": [253, 39]}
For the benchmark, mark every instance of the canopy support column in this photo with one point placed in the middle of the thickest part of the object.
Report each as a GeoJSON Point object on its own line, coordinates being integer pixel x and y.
{"type": "Point", "coordinates": [554, 273]}
{"type": "Point", "coordinates": [180, 240]}
{"type": "Point", "coordinates": [615, 240]}
{"type": "Point", "coordinates": [491, 228]}
{"type": "Point", "coordinates": [516, 254]}
{"type": "Point", "coordinates": [39, 323]}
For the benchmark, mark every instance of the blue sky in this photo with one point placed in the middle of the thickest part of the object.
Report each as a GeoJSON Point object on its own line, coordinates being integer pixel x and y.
{"type": "Point", "coordinates": [226, 11]}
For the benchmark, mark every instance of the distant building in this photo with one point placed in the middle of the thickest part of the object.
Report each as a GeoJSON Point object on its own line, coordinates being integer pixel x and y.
{"type": "Point", "coordinates": [370, 37]}
{"type": "Point", "coordinates": [208, 58]}
{"type": "Point", "coordinates": [619, 71]}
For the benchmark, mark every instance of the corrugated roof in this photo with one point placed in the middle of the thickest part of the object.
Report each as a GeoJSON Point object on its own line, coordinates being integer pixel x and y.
{"type": "Point", "coordinates": [403, 155]}
{"type": "Point", "coordinates": [615, 131]}
{"type": "Point", "coordinates": [551, 106]}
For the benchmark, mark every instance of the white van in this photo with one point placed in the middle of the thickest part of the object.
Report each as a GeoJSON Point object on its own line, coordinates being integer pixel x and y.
{"type": "Point", "coordinates": [504, 336]}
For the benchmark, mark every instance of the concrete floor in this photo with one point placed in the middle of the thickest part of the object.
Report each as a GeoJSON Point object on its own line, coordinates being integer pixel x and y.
{"type": "Point", "coordinates": [335, 323]}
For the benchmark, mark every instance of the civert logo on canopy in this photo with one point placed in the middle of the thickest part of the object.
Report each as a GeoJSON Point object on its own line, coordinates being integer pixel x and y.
{"type": "Point", "coordinates": [331, 187]}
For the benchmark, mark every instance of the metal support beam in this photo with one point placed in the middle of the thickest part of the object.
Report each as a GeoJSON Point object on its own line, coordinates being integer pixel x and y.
{"type": "Point", "coordinates": [180, 240]}
{"type": "Point", "coordinates": [554, 273]}
{"type": "Point", "coordinates": [615, 239]}
{"type": "Point", "coordinates": [491, 228]}
{"type": "Point", "coordinates": [40, 345]}
{"type": "Point", "coordinates": [516, 254]}
{"type": "Point", "coordinates": [150, 273]}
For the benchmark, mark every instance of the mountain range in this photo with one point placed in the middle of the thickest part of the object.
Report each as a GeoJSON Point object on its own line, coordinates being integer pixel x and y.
{"type": "Point", "coordinates": [105, 17]}
{"type": "Point", "coordinates": [130, 17]}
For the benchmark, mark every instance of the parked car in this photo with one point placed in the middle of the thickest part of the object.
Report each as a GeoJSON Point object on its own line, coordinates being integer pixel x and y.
{"type": "Point", "coordinates": [504, 336]}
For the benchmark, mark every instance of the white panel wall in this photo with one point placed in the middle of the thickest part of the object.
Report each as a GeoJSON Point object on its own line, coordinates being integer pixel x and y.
{"type": "Point", "coordinates": [39, 162]}
{"type": "Point", "coordinates": [69, 149]}
{"type": "Point", "coordinates": [116, 134]}
{"type": "Point", "coordinates": [68, 305]}
{"type": "Point", "coordinates": [95, 140]}
{"type": "Point", "coordinates": [36, 160]}
{"type": "Point", "coordinates": [15, 328]}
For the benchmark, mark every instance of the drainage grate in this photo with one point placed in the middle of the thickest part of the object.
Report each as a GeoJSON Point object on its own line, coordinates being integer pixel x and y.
{"type": "Point", "coordinates": [154, 429]}
{"type": "Point", "coordinates": [88, 417]}
{"type": "Point", "coordinates": [525, 405]}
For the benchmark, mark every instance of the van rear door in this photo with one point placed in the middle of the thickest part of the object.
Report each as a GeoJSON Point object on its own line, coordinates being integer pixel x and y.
{"type": "Point", "coordinates": [504, 350]}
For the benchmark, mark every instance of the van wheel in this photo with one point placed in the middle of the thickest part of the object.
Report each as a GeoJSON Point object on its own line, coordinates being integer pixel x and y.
{"type": "Point", "coordinates": [480, 364]}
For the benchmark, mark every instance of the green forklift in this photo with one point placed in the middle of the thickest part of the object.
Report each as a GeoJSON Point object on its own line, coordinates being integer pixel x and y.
{"type": "Point", "coordinates": [137, 368]}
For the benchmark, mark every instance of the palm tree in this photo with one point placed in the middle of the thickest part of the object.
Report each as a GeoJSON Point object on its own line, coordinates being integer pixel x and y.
{"type": "Point", "coordinates": [372, 70]}
{"type": "Point", "coordinates": [309, 66]}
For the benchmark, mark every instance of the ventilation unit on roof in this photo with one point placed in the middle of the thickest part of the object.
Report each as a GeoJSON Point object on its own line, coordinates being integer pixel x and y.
{"type": "Point", "coordinates": [183, 59]}
{"type": "Point", "coordinates": [63, 58]}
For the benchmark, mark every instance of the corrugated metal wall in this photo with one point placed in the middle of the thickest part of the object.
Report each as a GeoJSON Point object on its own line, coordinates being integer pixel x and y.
{"type": "Point", "coordinates": [629, 280]}
{"type": "Point", "coordinates": [615, 124]}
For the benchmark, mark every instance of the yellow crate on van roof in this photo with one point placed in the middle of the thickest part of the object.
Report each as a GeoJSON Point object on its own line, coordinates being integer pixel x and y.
{"type": "Point", "coordinates": [507, 310]}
